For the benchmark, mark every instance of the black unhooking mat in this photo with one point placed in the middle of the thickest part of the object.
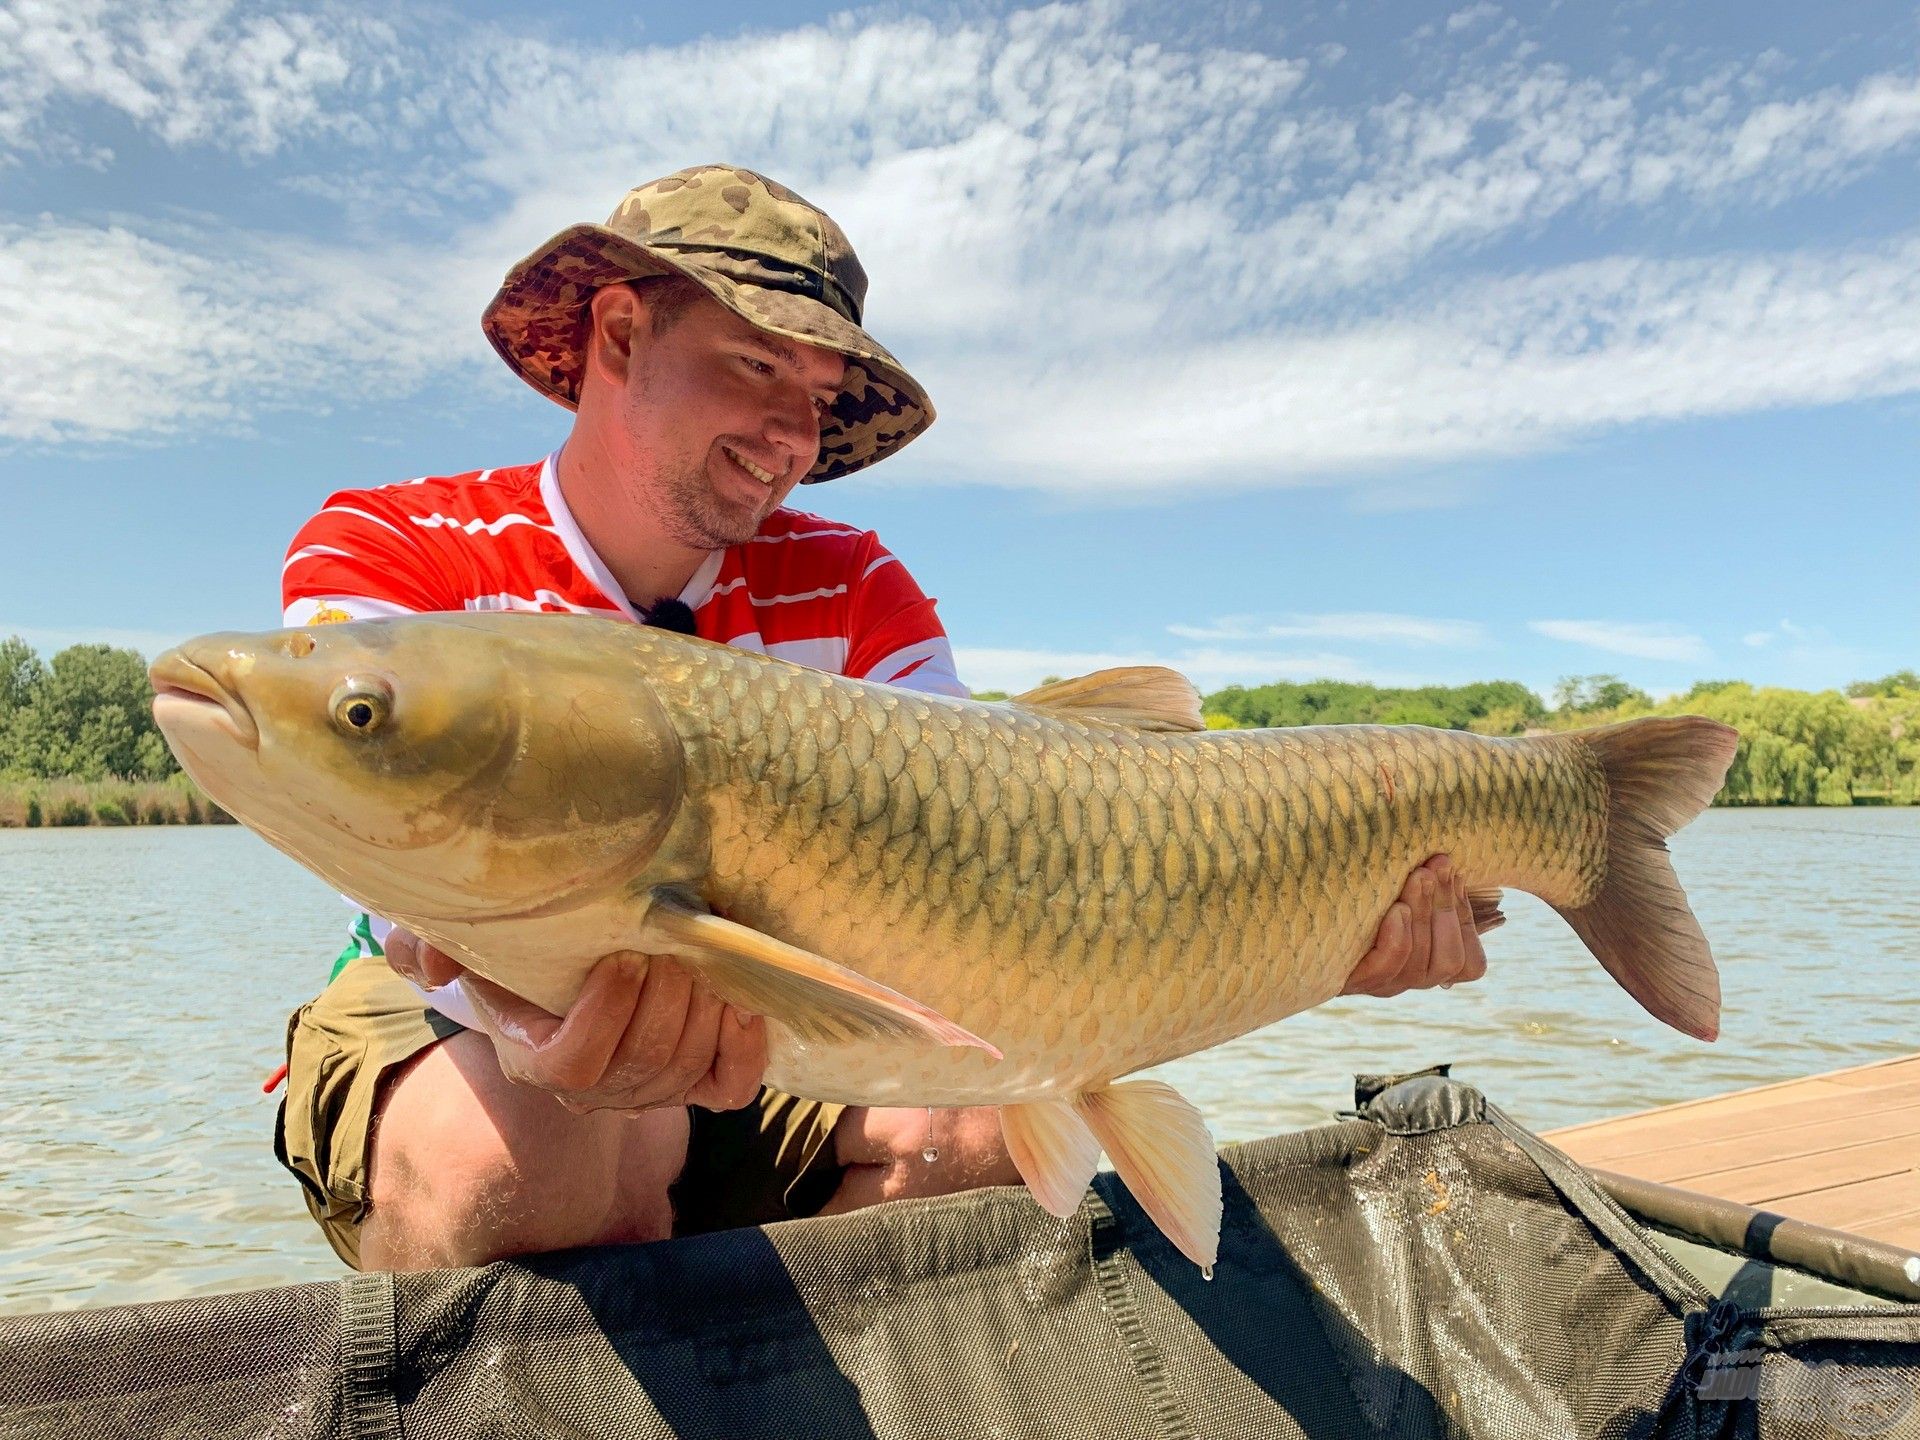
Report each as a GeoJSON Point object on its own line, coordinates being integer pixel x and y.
{"type": "Point", "coordinates": [1426, 1269]}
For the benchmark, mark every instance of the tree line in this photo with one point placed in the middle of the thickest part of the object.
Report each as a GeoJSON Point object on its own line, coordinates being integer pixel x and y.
{"type": "Point", "coordinates": [1797, 747]}
{"type": "Point", "coordinates": [86, 717]}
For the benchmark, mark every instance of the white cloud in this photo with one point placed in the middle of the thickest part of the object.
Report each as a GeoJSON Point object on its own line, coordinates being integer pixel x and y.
{"type": "Point", "coordinates": [189, 71]}
{"type": "Point", "coordinates": [1501, 368]}
{"type": "Point", "coordinates": [1365, 627]}
{"type": "Point", "coordinates": [1121, 266]}
{"type": "Point", "coordinates": [135, 336]}
{"type": "Point", "coordinates": [1758, 639]}
{"type": "Point", "coordinates": [1471, 16]}
{"type": "Point", "coordinates": [1644, 642]}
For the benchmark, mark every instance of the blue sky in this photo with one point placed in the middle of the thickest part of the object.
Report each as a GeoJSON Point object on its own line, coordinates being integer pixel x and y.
{"type": "Point", "coordinates": [1374, 342]}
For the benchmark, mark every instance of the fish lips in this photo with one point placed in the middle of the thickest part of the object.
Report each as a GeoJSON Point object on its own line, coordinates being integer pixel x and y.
{"type": "Point", "coordinates": [187, 696]}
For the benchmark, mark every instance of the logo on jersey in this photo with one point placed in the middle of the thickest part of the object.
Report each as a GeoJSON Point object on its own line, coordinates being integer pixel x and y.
{"type": "Point", "coordinates": [325, 614]}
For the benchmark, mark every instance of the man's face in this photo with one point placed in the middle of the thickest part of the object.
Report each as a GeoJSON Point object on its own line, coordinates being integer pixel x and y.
{"type": "Point", "coordinates": [723, 420]}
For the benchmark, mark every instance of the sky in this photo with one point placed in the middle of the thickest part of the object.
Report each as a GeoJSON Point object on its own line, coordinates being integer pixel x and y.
{"type": "Point", "coordinates": [1374, 342]}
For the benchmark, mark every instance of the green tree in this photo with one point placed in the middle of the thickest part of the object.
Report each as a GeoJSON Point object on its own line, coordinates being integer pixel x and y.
{"type": "Point", "coordinates": [1590, 694]}
{"type": "Point", "coordinates": [86, 715]}
{"type": "Point", "coordinates": [1887, 685]}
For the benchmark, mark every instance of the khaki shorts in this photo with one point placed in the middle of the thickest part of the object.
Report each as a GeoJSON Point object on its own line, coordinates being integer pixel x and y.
{"type": "Point", "coordinates": [769, 1161]}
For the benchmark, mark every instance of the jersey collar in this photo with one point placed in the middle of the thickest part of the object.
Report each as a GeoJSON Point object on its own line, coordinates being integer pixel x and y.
{"type": "Point", "coordinates": [594, 568]}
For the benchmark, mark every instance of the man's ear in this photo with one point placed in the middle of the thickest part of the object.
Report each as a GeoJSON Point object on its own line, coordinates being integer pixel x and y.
{"type": "Point", "coordinates": [615, 316]}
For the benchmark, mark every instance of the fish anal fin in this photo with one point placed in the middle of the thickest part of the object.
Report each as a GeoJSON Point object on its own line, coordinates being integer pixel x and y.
{"type": "Point", "coordinates": [1143, 697]}
{"type": "Point", "coordinates": [810, 995]}
{"type": "Point", "coordinates": [1053, 1150]}
{"type": "Point", "coordinates": [1161, 1147]}
{"type": "Point", "coordinates": [1487, 914]}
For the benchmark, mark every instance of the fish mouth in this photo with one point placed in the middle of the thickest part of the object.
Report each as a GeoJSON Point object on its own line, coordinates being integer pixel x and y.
{"type": "Point", "coordinates": [186, 692]}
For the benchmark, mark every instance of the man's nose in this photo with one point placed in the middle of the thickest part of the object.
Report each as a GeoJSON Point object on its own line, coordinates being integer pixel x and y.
{"type": "Point", "coordinates": [794, 424]}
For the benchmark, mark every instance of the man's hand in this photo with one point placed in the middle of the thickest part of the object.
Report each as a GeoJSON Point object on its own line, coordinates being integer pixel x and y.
{"type": "Point", "coordinates": [1427, 939]}
{"type": "Point", "coordinates": [642, 1034]}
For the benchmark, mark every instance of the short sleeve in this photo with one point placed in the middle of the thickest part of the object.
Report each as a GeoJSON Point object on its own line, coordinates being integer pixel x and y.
{"type": "Point", "coordinates": [894, 636]}
{"type": "Point", "coordinates": [361, 558]}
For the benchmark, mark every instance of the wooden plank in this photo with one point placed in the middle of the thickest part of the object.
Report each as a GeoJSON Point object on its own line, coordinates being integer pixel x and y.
{"type": "Point", "coordinates": [1887, 1072]}
{"type": "Point", "coordinates": [1613, 1147]}
{"type": "Point", "coordinates": [1684, 1164]}
{"type": "Point", "coordinates": [1760, 1185]}
{"type": "Point", "coordinates": [1866, 1076]}
{"type": "Point", "coordinates": [1904, 1232]}
{"type": "Point", "coordinates": [1858, 1207]}
{"type": "Point", "coordinates": [1841, 1150]}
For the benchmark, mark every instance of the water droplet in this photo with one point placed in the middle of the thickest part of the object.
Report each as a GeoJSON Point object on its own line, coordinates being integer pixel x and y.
{"type": "Point", "coordinates": [1206, 1272]}
{"type": "Point", "coordinates": [930, 1154]}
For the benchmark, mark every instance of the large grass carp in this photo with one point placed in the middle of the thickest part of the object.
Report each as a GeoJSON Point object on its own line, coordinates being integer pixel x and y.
{"type": "Point", "coordinates": [933, 901]}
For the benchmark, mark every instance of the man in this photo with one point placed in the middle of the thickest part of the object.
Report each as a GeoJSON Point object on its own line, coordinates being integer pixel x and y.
{"type": "Point", "coordinates": [709, 341]}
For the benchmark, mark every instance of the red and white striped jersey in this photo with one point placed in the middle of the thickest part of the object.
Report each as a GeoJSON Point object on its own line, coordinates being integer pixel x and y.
{"type": "Point", "coordinates": [809, 590]}
{"type": "Point", "coordinates": [804, 589]}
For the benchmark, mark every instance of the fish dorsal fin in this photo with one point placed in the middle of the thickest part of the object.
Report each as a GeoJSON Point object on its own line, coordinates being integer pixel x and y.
{"type": "Point", "coordinates": [811, 996]}
{"type": "Point", "coordinates": [1053, 1150]}
{"type": "Point", "coordinates": [1145, 697]}
{"type": "Point", "coordinates": [1160, 1146]}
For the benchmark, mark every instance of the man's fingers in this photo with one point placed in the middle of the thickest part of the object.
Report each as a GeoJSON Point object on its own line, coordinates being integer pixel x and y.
{"type": "Point", "coordinates": [1447, 957]}
{"type": "Point", "coordinates": [659, 1017]}
{"type": "Point", "coordinates": [1419, 898]}
{"type": "Point", "coordinates": [1391, 947]}
{"type": "Point", "coordinates": [562, 1054]}
{"type": "Point", "coordinates": [738, 1067]}
{"type": "Point", "coordinates": [699, 1046]}
{"type": "Point", "coordinates": [414, 959]}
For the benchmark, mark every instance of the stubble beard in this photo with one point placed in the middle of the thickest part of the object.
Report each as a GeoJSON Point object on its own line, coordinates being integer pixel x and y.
{"type": "Point", "coordinates": [692, 515]}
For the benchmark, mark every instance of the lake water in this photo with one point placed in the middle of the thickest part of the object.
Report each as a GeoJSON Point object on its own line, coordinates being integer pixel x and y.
{"type": "Point", "coordinates": [146, 976]}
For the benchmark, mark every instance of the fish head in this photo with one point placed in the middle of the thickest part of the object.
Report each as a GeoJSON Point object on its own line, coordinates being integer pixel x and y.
{"type": "Point", "coordinates": [432, 767]}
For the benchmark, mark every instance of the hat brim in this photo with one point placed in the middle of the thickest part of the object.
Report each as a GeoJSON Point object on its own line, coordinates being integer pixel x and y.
{"type": "Point", "coordinates": [538, 324]}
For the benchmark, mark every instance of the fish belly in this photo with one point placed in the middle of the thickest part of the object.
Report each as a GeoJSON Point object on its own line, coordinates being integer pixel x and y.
{"type": "Point", "coordinates": [1093, 899]}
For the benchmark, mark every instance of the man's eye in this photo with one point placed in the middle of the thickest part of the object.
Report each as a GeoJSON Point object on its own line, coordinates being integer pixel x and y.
{"type": "Point", "coordinates": [823, 408]}
{"type": "Point", "coordinates": [759, 367]}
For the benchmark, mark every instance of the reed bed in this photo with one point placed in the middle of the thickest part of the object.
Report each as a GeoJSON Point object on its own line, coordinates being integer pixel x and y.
{"type": "Point", "coordinates": [32, 804]}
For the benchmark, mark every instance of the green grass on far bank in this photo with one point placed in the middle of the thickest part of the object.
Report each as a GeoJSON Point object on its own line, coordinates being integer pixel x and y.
{"type": "Point", "coordinates": [51, 803]}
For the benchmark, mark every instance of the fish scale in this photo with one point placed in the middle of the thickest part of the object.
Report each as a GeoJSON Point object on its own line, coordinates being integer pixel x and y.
{"type": "Point", "coordinates": [1181, 887]}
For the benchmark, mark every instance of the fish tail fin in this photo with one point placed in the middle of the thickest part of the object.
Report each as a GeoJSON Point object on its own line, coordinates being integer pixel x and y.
{"type": "Point", "coordinates": [1661, 772]}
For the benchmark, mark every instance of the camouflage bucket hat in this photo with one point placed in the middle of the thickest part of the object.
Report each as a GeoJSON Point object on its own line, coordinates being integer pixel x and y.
{"type": "Point", "coordinates": [772, 258]}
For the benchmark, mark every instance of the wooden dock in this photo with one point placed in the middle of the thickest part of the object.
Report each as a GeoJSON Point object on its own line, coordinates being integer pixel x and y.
{"type": "Point", "coordinates": [1840, 1150]}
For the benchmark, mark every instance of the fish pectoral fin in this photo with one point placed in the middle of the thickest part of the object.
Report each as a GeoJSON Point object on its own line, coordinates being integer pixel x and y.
{"type": "Point", "coordinates": [1053, 1150]}
{"type": "Point", "coordinates": [1144, 697]}
{"type": "Point", "coordinates": [1162, 1149]}
{"type": "Point", "coordinates": [811, 996]}
{"type": "Point", "coordinates": [1487, 914]}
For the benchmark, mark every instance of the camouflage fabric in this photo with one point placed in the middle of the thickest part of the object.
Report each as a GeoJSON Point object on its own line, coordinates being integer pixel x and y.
{"type": "Point", "coordinates": [768, 255]}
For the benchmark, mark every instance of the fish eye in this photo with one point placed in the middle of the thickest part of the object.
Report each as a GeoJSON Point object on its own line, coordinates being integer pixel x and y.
{"type": "Point", "coordinates": [361, 706]}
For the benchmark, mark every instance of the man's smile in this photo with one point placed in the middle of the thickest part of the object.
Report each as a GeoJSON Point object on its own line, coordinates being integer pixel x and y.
{"type": "Point", "coordinates": [764, 476]}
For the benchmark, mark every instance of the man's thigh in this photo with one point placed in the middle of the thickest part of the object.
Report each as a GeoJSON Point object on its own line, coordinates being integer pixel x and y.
{"type": "Point", "coordinates": [343, 1049]}
{"type": "Point", "coordinates": [468, 1167]}
{"type": "Point", "coordinates": [413, 1149]}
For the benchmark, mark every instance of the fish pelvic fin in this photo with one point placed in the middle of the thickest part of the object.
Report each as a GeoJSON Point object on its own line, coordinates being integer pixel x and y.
{"type": "Point", "coordinates": [1053, 1150]}
{"type": "Point", "coordinates": [1487, 914]}
{"type": "Point", "coordinates": [1162, 1149]}
{"type": "Point", "coordinates": [810, 995]}
{"type": "Point", "coordinates": [1661, 772]}
{"type": "Point", "coordinates": [1141, 697]}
